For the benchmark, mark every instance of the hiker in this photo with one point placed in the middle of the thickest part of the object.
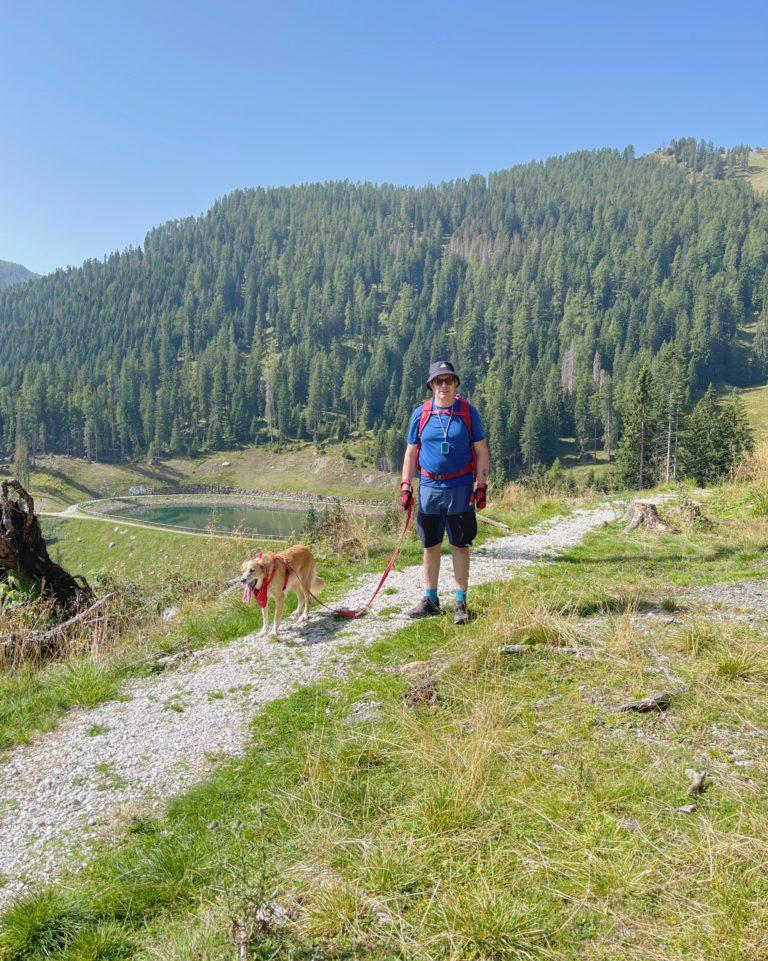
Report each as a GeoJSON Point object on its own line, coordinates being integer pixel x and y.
{"type": "Point", "coordinates": [447, 446]}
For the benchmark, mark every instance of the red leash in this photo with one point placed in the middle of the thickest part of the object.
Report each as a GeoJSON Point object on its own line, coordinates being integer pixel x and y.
{"type": "Point", "coordinates": [345, 611]}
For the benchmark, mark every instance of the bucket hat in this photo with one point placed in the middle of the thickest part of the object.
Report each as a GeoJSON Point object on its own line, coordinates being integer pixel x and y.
{"type": "Point", "coordinates": [441, 367]}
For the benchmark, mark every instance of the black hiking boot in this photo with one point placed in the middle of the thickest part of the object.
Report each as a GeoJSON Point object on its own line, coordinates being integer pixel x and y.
{"type": "Point", "coordinates": [425, 608]}
{"type": "Point", "coordinates": [462, 614]}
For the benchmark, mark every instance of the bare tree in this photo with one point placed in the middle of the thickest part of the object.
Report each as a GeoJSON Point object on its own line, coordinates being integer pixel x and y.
{"type": "Point", "coordinates": [568, 370]}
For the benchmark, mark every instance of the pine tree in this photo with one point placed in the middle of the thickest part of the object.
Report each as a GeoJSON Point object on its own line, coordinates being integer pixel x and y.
{"type": "Point", "coordinates": [634, 457]}
{"type": "Point", "coordinates": [736, 435]}
{"type": "Point", "coordinates": [700, 450]}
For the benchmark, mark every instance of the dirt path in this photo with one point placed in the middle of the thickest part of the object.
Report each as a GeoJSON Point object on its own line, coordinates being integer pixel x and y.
{"type": "Point", "coordinates": [99, 767]}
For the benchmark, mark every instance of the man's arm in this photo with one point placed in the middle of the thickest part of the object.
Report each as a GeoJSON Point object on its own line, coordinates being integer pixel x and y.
{"type": "Point", "coordinates": [483, 461]}
{"type": "Point", "coordinates": [409, 464]}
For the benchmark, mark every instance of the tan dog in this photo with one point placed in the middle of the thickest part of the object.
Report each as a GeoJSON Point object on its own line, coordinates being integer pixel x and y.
{"type": "Point", "coordinates": [272, 575]}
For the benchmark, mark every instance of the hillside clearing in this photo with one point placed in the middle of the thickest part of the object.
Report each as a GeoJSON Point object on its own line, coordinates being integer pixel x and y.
{"type": "Point", "coordinates": [58, 481]}
{"type": "Point", "coordinates": [758, 170]}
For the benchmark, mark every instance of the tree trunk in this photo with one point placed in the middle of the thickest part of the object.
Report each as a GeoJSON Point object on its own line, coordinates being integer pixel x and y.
{"type": "Point", "coordinates": [22, 547]}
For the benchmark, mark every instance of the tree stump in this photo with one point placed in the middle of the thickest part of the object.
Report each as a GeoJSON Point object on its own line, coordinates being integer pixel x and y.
{"type": "Point", "coordinates": [22, 547]}
{"type": "Point", "coordinates": [645, 514]}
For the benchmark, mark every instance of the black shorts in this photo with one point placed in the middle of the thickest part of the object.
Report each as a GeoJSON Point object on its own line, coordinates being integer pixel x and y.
{"type": "Point", "coordinates": [462, 528]}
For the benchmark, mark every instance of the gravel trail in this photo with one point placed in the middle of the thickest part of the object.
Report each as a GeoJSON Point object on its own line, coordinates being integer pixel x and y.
{"type": "Point", "coordinates": [85, 780]}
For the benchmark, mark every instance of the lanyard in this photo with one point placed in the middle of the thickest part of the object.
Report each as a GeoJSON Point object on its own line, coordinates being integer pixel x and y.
{"type": "Point", "coordinates": [445, 447]}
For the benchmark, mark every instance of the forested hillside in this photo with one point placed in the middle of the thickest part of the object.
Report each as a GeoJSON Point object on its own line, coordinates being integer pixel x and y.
{"type": "Point", "coordinates": [315, 310]}
{"type": "Point", "coordinates": [11, 273]}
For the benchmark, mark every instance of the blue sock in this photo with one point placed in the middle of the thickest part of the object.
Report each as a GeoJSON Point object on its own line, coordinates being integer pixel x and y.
{"type": "Point", "coordinates": [431, 593]}
{"type": "Point", "coordinates": [461, 596]}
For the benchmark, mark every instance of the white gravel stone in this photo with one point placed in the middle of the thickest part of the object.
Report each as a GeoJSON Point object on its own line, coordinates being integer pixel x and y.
{"type": "Point", "coordinates": [66, 788]}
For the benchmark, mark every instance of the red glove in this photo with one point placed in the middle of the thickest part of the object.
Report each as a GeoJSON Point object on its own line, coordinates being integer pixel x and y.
{"type": "Point", "coordinates": [480, 496]}
{"type": "Point", "coordinates": [406, 495]}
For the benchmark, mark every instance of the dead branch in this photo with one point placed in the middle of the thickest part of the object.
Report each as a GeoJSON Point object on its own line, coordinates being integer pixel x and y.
{"type": "Point", "coordinates": [699, 782]}
{"type": "Point", "coordinates": [546, 648]}
{"type": "Point", "coordinates": [656, 702]}
{"type": "Point", "coordinates": [493, 523]}
{"type": "Point", "coordinates": [44, 643]}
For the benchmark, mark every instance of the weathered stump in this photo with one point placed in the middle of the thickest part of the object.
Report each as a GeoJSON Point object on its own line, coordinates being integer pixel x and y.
{"type": "Point", "coordinates": [23, 548]}
{"type": "Point", "coordinates": [645, 514]}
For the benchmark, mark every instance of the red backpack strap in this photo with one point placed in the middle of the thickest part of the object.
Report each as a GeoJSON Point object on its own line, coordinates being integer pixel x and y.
{"type": "Point", "coordinates": [465, 413]}
{"type": "Point", "coordinates": [426, 413]}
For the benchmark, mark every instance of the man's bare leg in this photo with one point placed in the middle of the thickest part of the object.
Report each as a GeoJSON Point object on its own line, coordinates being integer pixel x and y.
{"type": "Point", "coordinates": [431, 566]}
{"type": "Point", "coordinates": [461, 567]}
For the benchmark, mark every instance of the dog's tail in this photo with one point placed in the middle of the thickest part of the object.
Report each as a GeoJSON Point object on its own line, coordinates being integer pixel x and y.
{"type": "Point", "coordinates": [317, 584]}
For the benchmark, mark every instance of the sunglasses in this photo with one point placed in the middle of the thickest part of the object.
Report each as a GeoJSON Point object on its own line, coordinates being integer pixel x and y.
{"type": "Point", "coordinates": [444, 381]}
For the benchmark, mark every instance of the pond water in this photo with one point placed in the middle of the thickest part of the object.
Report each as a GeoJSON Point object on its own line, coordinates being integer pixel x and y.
{"type": "Point", "coordinates": [269, 522]}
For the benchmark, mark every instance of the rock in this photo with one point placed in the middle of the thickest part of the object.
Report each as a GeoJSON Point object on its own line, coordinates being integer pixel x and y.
{"type": "Point", "coordinates": [226, 463]}
{"type": "Point", "coordinates": [111, 544]}
{"type": "Point", "coordinates": [687, 808]}
{"type": "Point", "coordinates": [169, 613]}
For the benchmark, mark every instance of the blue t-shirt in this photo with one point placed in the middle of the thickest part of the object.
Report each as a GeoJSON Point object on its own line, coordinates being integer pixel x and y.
{"type": "Point", "coordinates": [448, 427]}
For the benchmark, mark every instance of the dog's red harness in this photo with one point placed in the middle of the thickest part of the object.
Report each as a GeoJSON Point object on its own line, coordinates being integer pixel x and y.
{"type": "Point", "coordinates": [260, 593]}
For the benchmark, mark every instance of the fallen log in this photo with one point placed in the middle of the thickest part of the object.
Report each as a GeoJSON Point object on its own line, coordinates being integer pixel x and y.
{"type": "Point", "coordinates": [23, 548]}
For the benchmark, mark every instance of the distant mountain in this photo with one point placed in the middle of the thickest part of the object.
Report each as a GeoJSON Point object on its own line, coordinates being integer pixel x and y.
{"type": "Point", "coordinates": [14, 273]}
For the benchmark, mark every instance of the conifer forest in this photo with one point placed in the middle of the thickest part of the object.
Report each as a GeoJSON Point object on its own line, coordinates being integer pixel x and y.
{"type": "Point", "coordinates": [595, 295]}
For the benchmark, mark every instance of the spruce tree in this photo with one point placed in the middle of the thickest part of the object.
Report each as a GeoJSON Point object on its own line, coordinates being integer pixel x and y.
{"type": "Point", "coordinates": [635, 455]}
{"type": "Point", "coordinates": [701, 454]}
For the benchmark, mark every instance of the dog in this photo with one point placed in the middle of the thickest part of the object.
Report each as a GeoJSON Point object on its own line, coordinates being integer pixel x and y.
{"type": "Point", "coordinates": [272, 575]}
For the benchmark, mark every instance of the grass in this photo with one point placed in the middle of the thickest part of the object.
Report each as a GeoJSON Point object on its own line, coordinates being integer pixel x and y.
{"type": "Point", "coordinates": [145, 557]}
{"type": "Point", "coordinates": [57, 480]}
{"type": "Point", "coordinates": [758, 170]}
{"type": "Point", "coordinates": [756, 403]}
{"type": "Point", "coordinates": [520, 816]}
{"type": "Point", "coordinates": [158, 569]}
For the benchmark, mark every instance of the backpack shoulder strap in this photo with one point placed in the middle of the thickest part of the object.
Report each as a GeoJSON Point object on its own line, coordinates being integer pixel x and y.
{"type": "Point", "coordinates": [465, 413]}
{"type": "Point", "coordinates": [426, 413]}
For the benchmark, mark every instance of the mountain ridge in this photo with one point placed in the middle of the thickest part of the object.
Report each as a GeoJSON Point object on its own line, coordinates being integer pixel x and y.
{"type": "Point", "coordinates": [13, 273]}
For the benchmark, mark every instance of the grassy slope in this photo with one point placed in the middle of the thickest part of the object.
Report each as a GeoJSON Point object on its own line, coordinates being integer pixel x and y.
{"type": "Point", "coordinates": [58, 481]}
{"type": "Point", "coordinates": [756, 402]}
{"type": "Point", "coordinates": [156, 570]}
{"type": "Point", "coordinates": [519, 817]}
{"type": "Point", "coordinates": [758, 171]}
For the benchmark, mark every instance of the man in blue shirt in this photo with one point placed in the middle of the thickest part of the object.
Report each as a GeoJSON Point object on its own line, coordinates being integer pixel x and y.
{"type": "Point", "coordinates": [447, 445]}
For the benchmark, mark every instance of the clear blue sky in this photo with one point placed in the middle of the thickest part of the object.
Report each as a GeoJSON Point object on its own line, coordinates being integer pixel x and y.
{"type": "Point", "coordinates": [118, 116]}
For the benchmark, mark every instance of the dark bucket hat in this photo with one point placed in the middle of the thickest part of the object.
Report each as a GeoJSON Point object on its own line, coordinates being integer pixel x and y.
{"type": "Point", "coordinates": [441, 367]}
